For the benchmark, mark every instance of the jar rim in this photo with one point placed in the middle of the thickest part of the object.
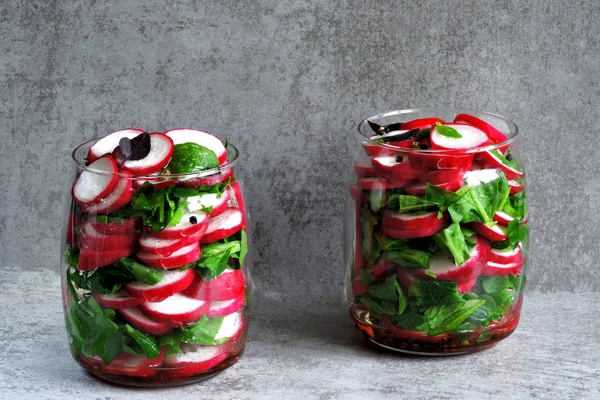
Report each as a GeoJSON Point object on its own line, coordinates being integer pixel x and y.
{"type": "Point", "coordinates": [512, 134]}
{"type": "Point", "coordinates": [232, 158]}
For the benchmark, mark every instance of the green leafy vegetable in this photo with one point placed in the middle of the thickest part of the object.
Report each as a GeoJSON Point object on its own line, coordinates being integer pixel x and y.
{"type": "Point", "coordinates": [366, 277]}
{"type": "Point", "coordinates": [451, 316]}
{"type": "Point", "coordinates": [408, 257]}
{"type": "Point", "coordinates": [516, 205]}
{"type": "Point", "coordinates": [191, 157]}
{"type": "Point", "coordinates": [481, 202]}
{"type": "Point", "coordinates": [512, 163]}
{"type": "Point", "coordinates": [434, 292]}
{"type": "Point", "coordinates": [201, 332]}
{"type": "Point", "coordinates": [406, 203]}
{"type": "Point", "coordinates": [447, 131]}
{"type": "Point", "coordinates": [516, 234]}
{"type": "Point", "coordinates": [495, 284]}
{"type": "Point", "coordinates": [451, 240]}
{"type": "Point", "coordinates": [140, 272]}
{"type": "Point", "coordinates": [146, 342]}
{"type": "Point", "coordinates": [370, 247]}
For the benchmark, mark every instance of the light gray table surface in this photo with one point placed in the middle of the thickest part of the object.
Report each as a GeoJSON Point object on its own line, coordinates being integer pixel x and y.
{"type": "Point", "coordinates": [306, 350]}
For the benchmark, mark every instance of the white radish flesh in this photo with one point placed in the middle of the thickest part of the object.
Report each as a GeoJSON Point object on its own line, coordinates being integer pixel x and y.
{"type": "Point", "coordinates": [471, 138]}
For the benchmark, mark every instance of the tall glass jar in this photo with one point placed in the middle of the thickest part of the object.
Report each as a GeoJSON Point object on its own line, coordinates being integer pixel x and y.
{"type": "Point", "coordinates": [156, 272]}
{"type": "Point", "coordinates": [436, 235]}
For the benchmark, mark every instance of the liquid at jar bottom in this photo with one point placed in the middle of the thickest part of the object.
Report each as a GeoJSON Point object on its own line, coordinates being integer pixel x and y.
{"type": "Point", "coordinates": [168, 377]}
{"type": "Point", "coordinates": [410, 342]}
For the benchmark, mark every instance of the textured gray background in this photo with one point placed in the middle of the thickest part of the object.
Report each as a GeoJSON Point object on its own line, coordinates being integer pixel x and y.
{"type": "Point", "coordinates": [287, 81]}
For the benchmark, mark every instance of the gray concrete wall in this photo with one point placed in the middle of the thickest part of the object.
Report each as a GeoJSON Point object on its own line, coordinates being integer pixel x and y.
{"type": "Point", "coordinates": [287, 81]}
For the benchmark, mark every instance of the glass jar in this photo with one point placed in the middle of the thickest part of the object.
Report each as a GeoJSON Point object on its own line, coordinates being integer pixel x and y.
{"type": "Point", "coordinates": [156, 274]}
{"type": "Point", "coordinates": [435, 231]}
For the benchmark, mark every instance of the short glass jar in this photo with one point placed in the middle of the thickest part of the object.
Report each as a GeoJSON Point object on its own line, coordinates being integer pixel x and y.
{"type": "Point", "coordinates": [435, 231]}
{"type": "Point", "coordinates": [156, 273]}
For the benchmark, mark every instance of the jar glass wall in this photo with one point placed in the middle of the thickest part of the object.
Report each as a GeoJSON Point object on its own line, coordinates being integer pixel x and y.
{"type": "Point", "coordinates": [436, 237]}
{"type": "Point", "coordinates": [156, 280]}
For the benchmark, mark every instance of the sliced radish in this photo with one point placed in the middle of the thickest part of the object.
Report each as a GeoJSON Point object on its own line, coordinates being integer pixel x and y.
{"type": "Point", "coordinates": [202, 138]}
{"type": "Point", "coordinates": [394, 332]}
{"type": "Point", "coordinates": [171, 283]}
{"type": "Point", "coordinates": [90, 187]}
{"type": "Point", "coordinates": [161, 150]}
{"type": "Point", "coordinates": [226, 307]}
{"type": "Point", "coordinates": [92, 240]}
{"type": "Point", "coordinates": [374, 150]}
{"type": "Point", "coordinates": [159, 183]}
{"type": "Point", "coordinates": [140, 321]}
{"type": "Point", "coordinates": [395, 167]}
{"type": "Point", "coordinates": [479, 176]}
{"type": "Point", "coordinates": [357, 194]}
{"type": "Point", "coordinates": [116, 199]}
{"type": "Point", "coordinates": [176, 310]}
{"type": "Point", "coordinates": [514, 256]}
{"type": "Point", "coordinates": [379, 269]}
{"type": "Point", "coordinates": [107, 144]}
{"type": "Point", "coordinates": [220, 176]}
{"type": "Point", "coordinates": [471, 138]}
{"type": "Point", "coordinates": [231, 327]}
{"type": "Point", "coordinates": [491, 231]}
{"type": "Point", "coordinates": [195, 359]}
{"type": "Point", "coordinates": [498, 269]}
{"type": "Point", "coordinates": [364, 168]}
{"type": "Point", "coordinates": [442, 176]}
{"type": "Point", "coordinates": [131, 365]}
{"type": "Point", "coordinates": [181, 257]}
{"type": "Point", "coordinates": [419, 189]}
{"type": "Point", "coordinates": [117, 300]}
{"type": "Point", "coordinates": [410, 221]}
{"type": "Point", "coordinates": [216, 202]}
{"type": "Point", "coordinates": [229, 285]}
{"type": "Point", "coordinates": [152, 245]}
{"type": "Point", "coordinates": [382, 183]}
{"type": "Point", "coordinates": [405, 277]}
{"type": "Point", "coordinates": [359, 260]}
{"type": "Point", "coordinates": [421, 123]}
{"type": "Point", "coordinates": [494, 135]}
{"type": "Point", "coordinates": [493, 159]}
{"type": "Point", "coordinates": [427, 161]}
{"type": "Point", "coordinates": [445, 269]}
{"type": "Point", "coordinates": [91, 259]}
{"type": "Point", "coordinates": [515, 186]}
{"type": "Point", "coordinates": [503, 218]}
{"type": "Point", "coordinates": [414, 233]}
{"type": "Point", "coordinates": [123, 227]}
{"type": "Point", "coordinates": [237, 201]}
{"type": "Point", "coordinates": [358, 287]}
{"type": "Point", "coordinates": [466, 286]}
{"type": "Point", "coordinates": [223, 226]}
{"type": "Point", "coordinates": [191, 224]}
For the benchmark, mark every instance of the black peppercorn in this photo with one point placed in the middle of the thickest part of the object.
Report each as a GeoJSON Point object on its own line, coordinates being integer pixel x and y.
{"type": "Point", "coordinates": [399, 158]}
{"type": "Point", "coordinates": [423, 146]}
{"type": "Point", "coordinates": [193, 220]}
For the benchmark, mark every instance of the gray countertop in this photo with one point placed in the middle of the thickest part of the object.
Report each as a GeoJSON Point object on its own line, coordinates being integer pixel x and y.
{"type": "Point", "coordinates": [311, 351]}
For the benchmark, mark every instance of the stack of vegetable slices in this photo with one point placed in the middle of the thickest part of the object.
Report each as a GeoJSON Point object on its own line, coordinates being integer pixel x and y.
{"type": "Point", "coordinates": [154, 280]}
{"type": "Point", "coordinates": [439, 235]}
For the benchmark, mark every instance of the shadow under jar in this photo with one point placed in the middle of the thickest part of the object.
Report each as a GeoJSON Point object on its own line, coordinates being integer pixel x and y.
{"type": "Point", "coordinates": [436, 235]}
{"type": "Point", "coordinates": [156, 268]}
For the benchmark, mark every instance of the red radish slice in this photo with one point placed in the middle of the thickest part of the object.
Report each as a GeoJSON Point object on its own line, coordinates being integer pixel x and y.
{"type": "Point", "coordinates": [405, 277]}
{"type": "Point", "coordinates": [176, 310]}
{"type": "Point", "coordinates": [433, 161]}
{"type": "Point", "coordinates": [410, 221]}
{"type": "Point", "coordinates": [445, 269]}
{"type": "Point", "coordinates": [161, 150]}
{"type": "Point", "coordinates": [231, 327]}
{"type": "Point", "coordinates": [202, 138]}
{"type": "Point", "coordinates": [165, 248]}
{"type": "Point", "coordinates": [497, 269]}
{"type": "Point", "coordinates": [159, 183]}
{"type": "Point", "coordinates": [503, 218]}
{"type": "Point", "coordinates": [221, 176]}
{"type": "Point", "coordinates": [181, 257]}
{"type": "Point", "coordinates": [395, 167]}
{"type": "Point", "coordinates": [194, 359]}
{"type": "Point", "coordinates": [358, 287]}
{"type": "Point", "coordinates": [379, 269]}
{"type": "Point", "coordinates": [394, 332]}
{"type": "Point", "coordinates": [490, 231]}
{"type": "Point", "coordinates": [414, 233]}
{"type": "Point", "coordinates": [374, 150]}
{"type": "Point", "coordinates": [419, 189]}
{"type": "Point", "coordinates": [223, 226]}
{"type": "Point", "coordinates": [90, 187]}
{"type": "Point", "coordinates": [90, 259]}
{"type": "Point", "coordinates": [382, 183]}
{"type": "Point", "coordinates": [118, 198]}
{"type": "Point", "coordinates": [226, 307]}
{"type": "Point", "coordinates": [237, 201]}
{"type": "Point", "coordinates": [357, 194]}
{"type": "Point", "coordinates": [118, 300]}
{"type": "Point", "coordinates": [217, 203]}
{"type": "Point", "coordinates": [515, 186]}
{"type": "Point", "coordinates": [131, 365]}
{"type": "Point", "coordinates": [140, 321]}
{"type": "Point", "coordinates": [493, 159]}
{"type": "Point", "coordinates": [123, 227]}
{"type": "Point", "coordinates": [492, 133]}
{"type": "Point", "coordinates": [442, 177]}
{"type": "Point", "coordinates": [186, 227]}
{"type": "Point", "coordinates": [466, 286]}
{"type": "Point", "coordinates": [421, 123]}
{"type": "Point", "coordinates": [229, 285]}
{"type": "Point", "coordinates": [364, 168]}
{"type": "Point", "coordinates": [108, 143]}
{"type": "Point", "coordinates": [514, 256]}
{"type": "Point", "coordinates": [171, 283]}
{"type": "Point", "coordinates": [92, 240]}
{"type": "Point", "coordinates": [471, 138]}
